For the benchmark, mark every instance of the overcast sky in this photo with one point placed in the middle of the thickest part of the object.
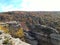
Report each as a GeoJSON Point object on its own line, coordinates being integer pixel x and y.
{"type": "Point", "coordinates": [29, 5]}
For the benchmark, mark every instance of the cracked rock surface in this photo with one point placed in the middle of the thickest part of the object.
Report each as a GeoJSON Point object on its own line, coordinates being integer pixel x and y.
{"type": "Point", "coordinates": [7, 39]}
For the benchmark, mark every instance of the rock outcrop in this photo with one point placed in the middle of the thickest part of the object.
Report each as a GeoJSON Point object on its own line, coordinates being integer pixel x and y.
{"type": "Point", "coordinates": [7, 39]}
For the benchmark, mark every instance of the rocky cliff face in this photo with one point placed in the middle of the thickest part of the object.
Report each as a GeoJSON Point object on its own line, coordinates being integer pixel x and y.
{"type": "Point", "coordinates": [43, 23]}
{"type": "Point", "coordinates": [6, 39]}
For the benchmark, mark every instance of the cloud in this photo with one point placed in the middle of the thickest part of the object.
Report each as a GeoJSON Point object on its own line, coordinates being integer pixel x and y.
{"type": "Point", "coordinates": [41, 5]}
{"type": "Point", "coordinates": [32, 5]}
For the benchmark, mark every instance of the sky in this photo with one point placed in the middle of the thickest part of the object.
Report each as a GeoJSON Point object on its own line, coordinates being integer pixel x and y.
{"type": "Point", "coordinates": [29, 5]}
